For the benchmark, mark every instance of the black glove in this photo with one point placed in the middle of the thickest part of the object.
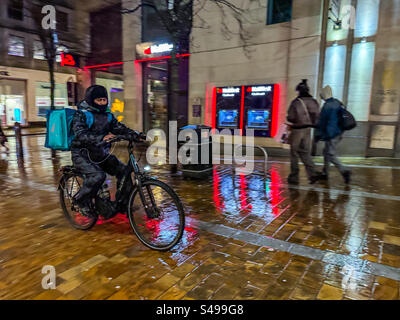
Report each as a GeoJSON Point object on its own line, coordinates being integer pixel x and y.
{"type": "Point", "coordinates": [136, 136]}
{"type": "Point", "coordinates": [142, 136]}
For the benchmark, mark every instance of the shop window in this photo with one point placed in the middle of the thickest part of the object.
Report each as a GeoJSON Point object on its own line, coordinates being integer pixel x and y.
{"type": "Point", "coordinates": [12, 102]}
{"type": "Point", "coordinates": [43, 100]}
{"type": "Point", "coordinates": [361, 72]}
{"type": "Point", "coordinates": [334, 72]}
{"type": "Point", "coordinates": [279, 11]}
{"type": "Point", "coordinates": [16, 9]}
{"type": "Point", "coordinates": [38, 50]}
{"type": "Point", "coordinates": [16, 46]}
{"type": "Point", "coordinates": [61, 49]}
{"type": "Point", "coordinates": [62, 21]}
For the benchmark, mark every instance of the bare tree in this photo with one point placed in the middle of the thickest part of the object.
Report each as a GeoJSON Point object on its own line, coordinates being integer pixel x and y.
{"type": "Point", "coordinates": [177, 18]}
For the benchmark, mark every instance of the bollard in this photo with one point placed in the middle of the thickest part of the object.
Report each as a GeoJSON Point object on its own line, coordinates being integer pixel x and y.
{"type": "Point", "coordinates": [18, 141]}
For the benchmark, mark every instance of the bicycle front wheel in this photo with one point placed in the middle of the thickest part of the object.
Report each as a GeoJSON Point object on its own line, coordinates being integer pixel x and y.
{"type": "Point", "coordinates": [161, 226]}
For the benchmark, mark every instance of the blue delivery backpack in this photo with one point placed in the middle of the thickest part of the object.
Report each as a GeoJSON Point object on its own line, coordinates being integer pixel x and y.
{"type": "Point", "coordinates": [59, 135]}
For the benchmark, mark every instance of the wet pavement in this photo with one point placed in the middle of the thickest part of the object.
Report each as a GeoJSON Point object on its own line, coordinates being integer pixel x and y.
{"type": "Point", "coordinates": [247, 237]}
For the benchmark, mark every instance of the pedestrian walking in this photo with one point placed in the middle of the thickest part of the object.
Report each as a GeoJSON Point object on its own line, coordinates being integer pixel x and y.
{"type": "Point", "coordinates": [3, 140]}
{"type": "Point", "coordinates": [331, 131]}
{"type": "Point", "coordinates": [303, 115]}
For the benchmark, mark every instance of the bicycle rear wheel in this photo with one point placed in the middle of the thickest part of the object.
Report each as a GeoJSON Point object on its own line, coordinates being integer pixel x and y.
{"type": "Point", "coordinates": [69, 186]}
{"type": "Point", "coordinates": [163, 229]}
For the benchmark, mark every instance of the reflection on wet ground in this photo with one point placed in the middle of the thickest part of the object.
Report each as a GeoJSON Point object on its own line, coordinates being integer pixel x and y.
{"type": "Point", "coordinates": [247, 237]}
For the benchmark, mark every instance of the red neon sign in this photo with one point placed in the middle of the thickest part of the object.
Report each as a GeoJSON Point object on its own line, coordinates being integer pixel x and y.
{"type": "Point", "coordinates": [161, 58]}
{"type": "Point", "coordinates": [275, 111]}
{"type": "Point", "coordinates": [68, 60]}
{"type": "Point", "coordinates": [139, 60]}
{"type": "Point", "coordinates": [242, 112]}
{"type": "Point", "coordinates": [214, 109]}
{"type": "Point", "coordinates": [104, 65]}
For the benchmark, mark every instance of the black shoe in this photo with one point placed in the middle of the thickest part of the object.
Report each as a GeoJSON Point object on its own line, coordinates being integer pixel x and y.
{"type": "Point", "coordinates": [315, 179]}
{"type": "Point", "coordinates": [347, 177]}
{"type": "Point", "coordinates": [83, 209]}
{"type": "Point", "coordinates": [323, 177]}
{"type": "Point", "coordinates": [293, 181]}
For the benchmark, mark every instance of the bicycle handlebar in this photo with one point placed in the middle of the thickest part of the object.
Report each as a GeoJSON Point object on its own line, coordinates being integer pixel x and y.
{"type": "Point", "coordinates": [141, 136]}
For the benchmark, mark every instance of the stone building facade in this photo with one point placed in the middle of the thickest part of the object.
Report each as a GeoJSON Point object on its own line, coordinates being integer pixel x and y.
{"type": "Point", "coordinates": [350, 45]}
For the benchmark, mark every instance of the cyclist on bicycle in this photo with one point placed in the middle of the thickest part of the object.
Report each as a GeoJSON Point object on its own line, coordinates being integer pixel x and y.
{"type": "Point", "coordinates": [94, 161]}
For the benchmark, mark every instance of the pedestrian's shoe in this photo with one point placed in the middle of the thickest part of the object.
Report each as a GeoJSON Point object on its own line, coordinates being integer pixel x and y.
{"type": "Point", "coordinates": [347, 177]}
{"type": "Point", "coordinates": [324, 177]}
{"type": "Point", "coordinates": [315, 178]}
{"type": "Point", "coordinates": [294, 181]}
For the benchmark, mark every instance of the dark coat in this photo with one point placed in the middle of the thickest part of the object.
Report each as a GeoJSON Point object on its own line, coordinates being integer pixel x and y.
{"type": "Point", "coordinates": [87, 138]}
{"type": "Point", "coordinates": [297, 115]}
{"type": "Point", "coordinates": [328, 126]}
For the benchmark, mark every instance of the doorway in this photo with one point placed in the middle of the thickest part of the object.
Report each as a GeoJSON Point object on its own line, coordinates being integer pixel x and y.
{"type": "Point", "coordinates": [155, 87]}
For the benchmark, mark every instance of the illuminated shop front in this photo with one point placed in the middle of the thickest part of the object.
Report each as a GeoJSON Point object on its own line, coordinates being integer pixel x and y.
{"type": "Point", "coordinates": [25, 95]}
{"type": "Point", "coordinates": [153, 59]}
{"type": "Point", "coordinates": [43, 100]}
{"type": "Point", "coordinates": [12, 102]}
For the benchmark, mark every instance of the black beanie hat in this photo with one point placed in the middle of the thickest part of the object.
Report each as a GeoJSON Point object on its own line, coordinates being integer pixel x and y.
{"type": "Point", "coordinates": [95, 92]}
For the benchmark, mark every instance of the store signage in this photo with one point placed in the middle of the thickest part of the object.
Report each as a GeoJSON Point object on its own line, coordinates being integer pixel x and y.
{"type": "Point", "coordinates": [69, 60]}
{"type": "Point", "coordinates": [229, 92]}
{"type": "Point", "coordinates": [163, 47]}
{"type": "Point", "coordinates": [259, 90]}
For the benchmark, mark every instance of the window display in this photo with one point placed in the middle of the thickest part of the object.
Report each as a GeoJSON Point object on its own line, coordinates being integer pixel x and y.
{"type": "Point", "coordinates": [12, 102]}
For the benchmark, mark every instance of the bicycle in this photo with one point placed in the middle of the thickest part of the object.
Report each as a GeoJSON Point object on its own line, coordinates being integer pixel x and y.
{"type": "Point", "coordinates": [153, 206]}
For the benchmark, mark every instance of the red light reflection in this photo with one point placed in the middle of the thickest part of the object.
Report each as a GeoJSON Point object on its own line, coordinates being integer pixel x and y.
{"type": "Point", "coordinates": [245, 205]}
{"type": "Point", "coordinates": [216, 184]}
{"type": "Point", "coordinates": [274, 193]}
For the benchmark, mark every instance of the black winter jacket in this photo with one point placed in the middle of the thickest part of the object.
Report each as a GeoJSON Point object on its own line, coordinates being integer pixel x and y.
{"type": "Point", "coordinates": [87, 138]}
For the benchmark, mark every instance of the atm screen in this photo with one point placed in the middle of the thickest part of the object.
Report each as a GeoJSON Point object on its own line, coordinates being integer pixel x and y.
{"type": "Point", "coordinates": [228, 118]}
{"type": "Point", "coordinates": [258, 119]}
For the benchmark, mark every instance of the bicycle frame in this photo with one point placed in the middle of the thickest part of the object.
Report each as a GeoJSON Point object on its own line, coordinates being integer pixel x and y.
{"type": "Point", "coordinates": [133, 167]}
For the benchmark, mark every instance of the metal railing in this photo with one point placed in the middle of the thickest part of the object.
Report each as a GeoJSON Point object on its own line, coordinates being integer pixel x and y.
{"type": "Point", "coordinates": [255, 147]}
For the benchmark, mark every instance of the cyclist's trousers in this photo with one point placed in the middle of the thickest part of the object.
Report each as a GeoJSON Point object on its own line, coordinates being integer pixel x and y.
{"type": "Point", "coordinates": [94, 174]}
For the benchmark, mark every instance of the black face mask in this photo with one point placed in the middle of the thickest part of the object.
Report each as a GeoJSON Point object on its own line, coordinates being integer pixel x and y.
{"type": "Point", "coordinates": [100, 108]}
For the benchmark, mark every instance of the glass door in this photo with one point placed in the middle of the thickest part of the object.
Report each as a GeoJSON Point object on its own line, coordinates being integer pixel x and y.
{"type": "Point", "coordinates": [155, 106]}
